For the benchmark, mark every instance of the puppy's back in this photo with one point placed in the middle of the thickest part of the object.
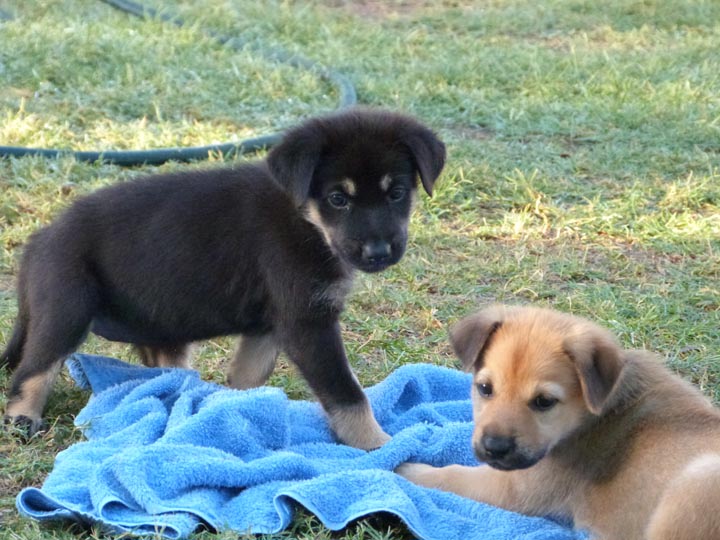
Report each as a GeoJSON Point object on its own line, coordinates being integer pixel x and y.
{"type": "Point", "coordinates": [165, 233]}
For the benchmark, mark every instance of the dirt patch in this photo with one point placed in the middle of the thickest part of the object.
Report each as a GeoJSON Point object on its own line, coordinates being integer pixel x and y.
{"type": "Point", "coordinates": [7, 283]}
{"type": "Point", "coordinates": [477, 133]}
{"type": "Point", "coordinates": [377, 9]}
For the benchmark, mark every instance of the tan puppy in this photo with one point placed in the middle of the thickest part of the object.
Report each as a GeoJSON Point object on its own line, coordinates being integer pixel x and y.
{"type": "Point", "coordinates": [573, 425]}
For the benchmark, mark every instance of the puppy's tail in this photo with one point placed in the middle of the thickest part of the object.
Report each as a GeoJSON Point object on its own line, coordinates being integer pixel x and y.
{"type": "Point", "coordinates": [14, 348]}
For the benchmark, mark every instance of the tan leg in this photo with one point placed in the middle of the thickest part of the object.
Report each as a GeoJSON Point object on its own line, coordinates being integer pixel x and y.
{"type": "Point", "coordinates": [254, 361]}
{"type": "Point", "coordinates": [63, 305]}
{"type": "Point", "coordinates": [26, 406]}
{"type": "Point", "coordinates": [177, 356]}
{"type": "Point", "coordinates": [356, 426]}
{"type": "Point", "coordinates": [482, 483]}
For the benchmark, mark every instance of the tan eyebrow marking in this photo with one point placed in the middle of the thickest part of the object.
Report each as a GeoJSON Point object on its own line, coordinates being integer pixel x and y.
{"type": "Point", "coordinates": [349, 187]}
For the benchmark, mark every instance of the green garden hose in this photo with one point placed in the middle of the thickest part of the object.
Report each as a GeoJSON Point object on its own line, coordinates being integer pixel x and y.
{"type": "Point", "coordinates": [346, 97]}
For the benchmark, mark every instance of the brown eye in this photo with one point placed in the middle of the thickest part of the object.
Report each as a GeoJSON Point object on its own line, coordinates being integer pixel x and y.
{"type": "Point", "coordinates": [338, 200]}
{"type": "Point", "coordinates": [485, 390]}
{"type": "Point", "coordinates": [397, 194]}
{"type": "Point", "coordinates": [543, 403]}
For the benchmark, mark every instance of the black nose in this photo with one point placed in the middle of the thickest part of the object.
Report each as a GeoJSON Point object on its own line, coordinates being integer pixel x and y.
{"type": "Point", "coordinates": [497, 447]}
{"type": "Point", "coordinates": [376, 252]}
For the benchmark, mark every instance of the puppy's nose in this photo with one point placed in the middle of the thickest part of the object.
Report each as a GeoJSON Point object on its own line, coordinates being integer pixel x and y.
{"type": "Point", "coordinates": [497, 447]}
{"type": "Point", "coordinates": [376, 252]}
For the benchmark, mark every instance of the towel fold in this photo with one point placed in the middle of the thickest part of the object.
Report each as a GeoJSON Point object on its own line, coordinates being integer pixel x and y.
{"type": "Point", "coordinates": [167, 453]}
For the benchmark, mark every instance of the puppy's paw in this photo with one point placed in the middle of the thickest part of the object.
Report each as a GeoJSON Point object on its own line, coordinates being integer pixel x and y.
{"type": "Point", "coordinates": [421, 474]}
{"type": "Point", "coordinates": [367, 441]}
{"type": "Point", "coordinates": [356, 426]}
{"type": "Point", "coordinates": [24, 426]}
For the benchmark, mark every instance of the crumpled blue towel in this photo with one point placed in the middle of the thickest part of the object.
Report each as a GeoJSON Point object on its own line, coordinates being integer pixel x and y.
{"type": "Point", "coordinates": [167, 453]}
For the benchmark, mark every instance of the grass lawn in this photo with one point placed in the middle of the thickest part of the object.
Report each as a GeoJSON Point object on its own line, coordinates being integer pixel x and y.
{"type": "Point", "coordinates": [583, 172]}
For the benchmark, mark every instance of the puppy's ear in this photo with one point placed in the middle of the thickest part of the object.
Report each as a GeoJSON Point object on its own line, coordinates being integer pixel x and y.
{"type": "Point", "coordinates": [428, 152]}
{"type": "Point", "coordinates": [598, 361]}
{"type": "Point", "coordinates": [470, 337]}
{"type": "Point", "coordinates": [293, 161]}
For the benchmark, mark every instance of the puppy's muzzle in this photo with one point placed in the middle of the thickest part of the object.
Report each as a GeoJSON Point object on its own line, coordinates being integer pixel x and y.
{"type": "Point", "coordinates": [497, 447]}
{"type": "Point", "coordinates": [502, 452]}
{"type": "Point", "coordinates": [376, 253]}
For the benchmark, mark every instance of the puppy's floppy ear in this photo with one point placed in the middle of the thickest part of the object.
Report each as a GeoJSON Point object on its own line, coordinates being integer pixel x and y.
{"type": "Point", "coordinates": [598, 361]}
{"type": "Point", "coordinates": [470, 337]}
{"type": "Point", "coordinates": [428, 152]}
{"type": "Point", "coordinates": [293, 161]}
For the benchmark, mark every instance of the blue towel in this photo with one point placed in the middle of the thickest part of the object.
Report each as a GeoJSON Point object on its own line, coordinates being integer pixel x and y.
{"type": "Point", "coordinates": [167, 453]}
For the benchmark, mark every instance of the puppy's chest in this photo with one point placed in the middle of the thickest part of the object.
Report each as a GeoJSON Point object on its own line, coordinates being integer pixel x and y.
{"type": "Point", "coordinates": [330, 294]}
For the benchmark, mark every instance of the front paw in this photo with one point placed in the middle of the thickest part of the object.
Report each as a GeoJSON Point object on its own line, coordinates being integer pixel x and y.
{"type": "Point", "coordinates": [420, 474]}
{"type": "Point", "coordinates": [365, 440]}
{"type": "Point", "coordinates": [25, 427]}
{"type": "Point", "coordinates": [356, 426]}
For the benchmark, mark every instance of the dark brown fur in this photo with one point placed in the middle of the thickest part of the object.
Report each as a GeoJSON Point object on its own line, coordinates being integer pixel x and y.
{"type": "Point", "coordinates": [264, 250]}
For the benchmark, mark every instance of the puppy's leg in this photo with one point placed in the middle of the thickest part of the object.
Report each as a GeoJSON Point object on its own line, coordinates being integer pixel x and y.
{"type": "Point", "coordinates": [27, 398]}
{"type": "Point", "coordinates": [688, 509]}
{"type": "Point", "coordinates": [355, 425]}
{"type": "Point", "coordinates": [56, 328]}
{"type": "Point", "coordinates": [317, 350]}
{"type": "Point", "coordinates": [483, 483]}
{"type": "Point", "coordinates": [168, 356]}
{"type": "Point", "coordinates": [254, 361]}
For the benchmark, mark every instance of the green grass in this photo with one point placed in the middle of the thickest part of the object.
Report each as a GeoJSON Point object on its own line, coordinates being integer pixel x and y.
{"type": "Point", "coordinates": [583, 173]}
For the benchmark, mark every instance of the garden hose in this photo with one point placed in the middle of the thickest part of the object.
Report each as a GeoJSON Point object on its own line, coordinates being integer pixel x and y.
{"type": "Point", "coordinates": [346, 97]}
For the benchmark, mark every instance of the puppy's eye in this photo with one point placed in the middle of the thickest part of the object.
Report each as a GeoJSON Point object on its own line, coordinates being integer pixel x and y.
{"type": "Point", "coordinates": [543, 403]}
{"type": "Point", "coordinates": [485, 390]}
{"type": "Point", "coordinates": [337, 199]}
{"type": "Point", "coordinates": [397, 194]}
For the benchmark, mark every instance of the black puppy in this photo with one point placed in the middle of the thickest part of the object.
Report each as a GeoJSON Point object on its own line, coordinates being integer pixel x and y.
{"type": "Point", "coordinates": [265, 250]}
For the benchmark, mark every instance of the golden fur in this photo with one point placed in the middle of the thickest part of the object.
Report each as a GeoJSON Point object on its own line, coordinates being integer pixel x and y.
{"type": "Point", "coordinates": [575, 426]}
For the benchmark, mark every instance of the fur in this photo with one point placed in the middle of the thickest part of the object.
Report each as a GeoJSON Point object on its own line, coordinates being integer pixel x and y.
{"type": "Point", "coordinates": [264, 250]}
{"type": "Point", "coordinates": [628, 449]}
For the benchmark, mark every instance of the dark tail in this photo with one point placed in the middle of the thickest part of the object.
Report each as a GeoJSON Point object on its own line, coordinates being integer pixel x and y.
{"type": "Point", "coordinates": [13, 349]}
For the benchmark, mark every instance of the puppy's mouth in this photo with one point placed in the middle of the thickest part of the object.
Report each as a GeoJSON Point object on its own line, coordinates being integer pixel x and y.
{"type": "Point", "coordinates": [369, 261]}
{"type": "Point", "coordinates": [373, 267]}
{"type": "Point", "coordinates": [512, 462]}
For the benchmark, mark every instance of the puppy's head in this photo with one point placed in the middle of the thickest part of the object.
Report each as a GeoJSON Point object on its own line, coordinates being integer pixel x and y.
{"type": "Point", "coordinates": [538, 376]}
{"type": "Point", "coordinates": [354, 176]}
